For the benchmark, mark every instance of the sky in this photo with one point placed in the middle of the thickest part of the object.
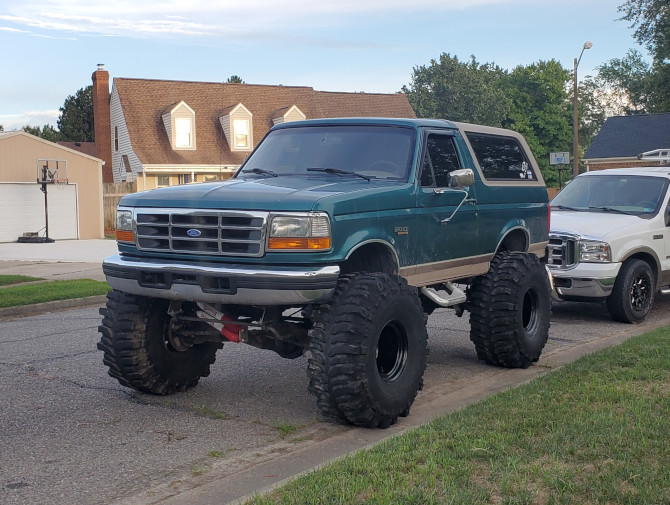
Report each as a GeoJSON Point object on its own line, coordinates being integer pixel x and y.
{"type": "Point", "coordinates": [50, 48]}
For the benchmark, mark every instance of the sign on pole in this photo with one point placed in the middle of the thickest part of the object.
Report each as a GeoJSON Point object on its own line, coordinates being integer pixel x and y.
{"type": "Point", "coordinates": [559, 158]}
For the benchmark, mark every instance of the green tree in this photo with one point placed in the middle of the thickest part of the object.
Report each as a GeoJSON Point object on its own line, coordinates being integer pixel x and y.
{"type": "Point", "coordinates": [47, 132]}
{"type": "Point", "coordinates": [76, 116]}
{"type": "Point", "coordinates": [595, 104]}
{"type": "Point", "coordinates": [627, 80]}
{"type": "Point", "coordinates": [541, 111]}
{"type": "Point", "coordinates": [651, 20]}
{"type": "Point", "coordinates": [235, 79]}
{"type": "Point", "coordinates": [460, 91]}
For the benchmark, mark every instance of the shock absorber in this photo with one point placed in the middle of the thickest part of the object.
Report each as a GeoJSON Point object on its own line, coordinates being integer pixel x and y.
{"type": "Point", "coordinates": [228, 330]}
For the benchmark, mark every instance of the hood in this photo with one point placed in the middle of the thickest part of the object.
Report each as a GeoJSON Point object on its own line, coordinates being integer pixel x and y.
{"type": "Point", "coordinates": [595, 225]}
{"type": "Point", "coordinates": [284, 193]}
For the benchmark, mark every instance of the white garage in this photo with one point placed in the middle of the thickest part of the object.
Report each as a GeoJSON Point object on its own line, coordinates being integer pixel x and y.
{"type": "Point", "coordinates": [28, 197]}
{"type": "Point", "coordinates": [75, 209]}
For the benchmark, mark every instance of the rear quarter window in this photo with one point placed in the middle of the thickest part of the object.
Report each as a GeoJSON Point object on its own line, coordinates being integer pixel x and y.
{"type": "Point", "coordinates": [501, 158]}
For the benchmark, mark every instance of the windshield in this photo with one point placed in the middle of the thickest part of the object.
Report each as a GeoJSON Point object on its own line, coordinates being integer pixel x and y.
{"type": "Point", "coordinates": [367, 152]}
{"type": "Point", "coordinates": [628, 194]}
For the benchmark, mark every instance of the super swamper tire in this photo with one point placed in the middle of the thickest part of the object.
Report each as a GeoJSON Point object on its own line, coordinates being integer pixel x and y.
{"type": "Point", "coordinates": [510, 311]}
{"type": "Point", "coordinates": [368, 350]}
{"type": "Point", "coordinates": [137, 351]}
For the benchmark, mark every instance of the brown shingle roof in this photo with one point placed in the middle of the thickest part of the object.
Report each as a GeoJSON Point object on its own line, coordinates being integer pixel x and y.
{"type": "Point", "coordinates": [144, 101]}
{"type": "Point", "coordinates": [82, 147]}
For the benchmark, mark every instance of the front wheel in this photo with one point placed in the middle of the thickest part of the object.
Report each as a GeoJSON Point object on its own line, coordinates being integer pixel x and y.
{"type": "Point", "coordinates": [510, 310]}
{"type": "Point", "coordinates": [368, 349]}
{"type": "Point", "coordinates": [144, 351]}
{"type": "Point", "coordinates": [633, 293]}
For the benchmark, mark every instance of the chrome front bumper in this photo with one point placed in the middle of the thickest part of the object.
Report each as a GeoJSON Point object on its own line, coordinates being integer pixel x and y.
{"type": "Point", "coordinates": [237, 284]}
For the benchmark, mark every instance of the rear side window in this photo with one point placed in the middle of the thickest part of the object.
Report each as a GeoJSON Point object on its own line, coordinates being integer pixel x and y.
{"type": "Point", "coordinates": [501, 158]}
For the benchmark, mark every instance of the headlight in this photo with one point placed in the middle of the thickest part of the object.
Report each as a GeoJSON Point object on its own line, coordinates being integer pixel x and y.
{"type": "Point", "coordinates": [594, 252]}
{"type": "Point", "coordinates": [124, 226]}
{"type": "Point", "coordinates": [309, 232]}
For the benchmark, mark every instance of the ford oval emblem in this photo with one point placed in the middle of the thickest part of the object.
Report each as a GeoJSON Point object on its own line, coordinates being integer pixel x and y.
{"type": "Point", "coordinates": [193, 233]}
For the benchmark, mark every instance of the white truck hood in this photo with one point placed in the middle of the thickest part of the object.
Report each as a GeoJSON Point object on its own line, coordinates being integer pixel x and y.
{"type": "Point", "coordinates": [595, 225]}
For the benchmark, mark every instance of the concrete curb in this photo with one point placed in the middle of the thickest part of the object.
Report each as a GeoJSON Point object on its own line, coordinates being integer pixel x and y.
{"type": "Point", "coordinates": [20, 311]}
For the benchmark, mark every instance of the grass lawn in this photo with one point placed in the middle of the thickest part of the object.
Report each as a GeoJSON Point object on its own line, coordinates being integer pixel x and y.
{"type": "Point", "coordinates": [28, 294]}
{"type": "Point", "coordinates": [6, 280]}
{"type": "Point", "coordinates": [594, 432]}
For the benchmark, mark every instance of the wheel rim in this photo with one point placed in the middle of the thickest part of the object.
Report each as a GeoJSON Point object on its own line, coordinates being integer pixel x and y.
{"type": "Point", "coordinates": [640, 291]}
{"type": "Point", "coordinates": [391, 355]}
{"type": "Point", "coordinates": [529, 312]}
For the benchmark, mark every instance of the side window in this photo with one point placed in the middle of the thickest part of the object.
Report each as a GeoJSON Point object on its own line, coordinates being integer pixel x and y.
{"type": "Point", "coordinates": [501, 158]}
{"type": "Point", "coordinates": [440, 159]}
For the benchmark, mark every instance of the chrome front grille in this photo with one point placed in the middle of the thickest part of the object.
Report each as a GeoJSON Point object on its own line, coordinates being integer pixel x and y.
{"type": "Point", "coordinates": [228, 233]}
{"type": "Point", "coordinates": [562, 250]}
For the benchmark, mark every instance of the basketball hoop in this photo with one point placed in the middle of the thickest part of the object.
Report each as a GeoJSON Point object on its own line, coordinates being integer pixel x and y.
{"type": "Point", "coordinates": [60, 183]}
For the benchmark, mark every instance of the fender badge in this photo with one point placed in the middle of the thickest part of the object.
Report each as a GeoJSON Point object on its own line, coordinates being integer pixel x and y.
{"type": "Point", "coordinates": [401, 230]}
{"type": "Point", "coordinates": [193, 233]}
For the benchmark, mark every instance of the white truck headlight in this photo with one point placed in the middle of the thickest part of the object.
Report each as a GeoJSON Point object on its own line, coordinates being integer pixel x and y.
{"type": "Point", "coordinates": [308, 232]}
{"type": "Point", "coordinates": [124, 226]}
{"type": "Point", "coordinates": [591, 251]}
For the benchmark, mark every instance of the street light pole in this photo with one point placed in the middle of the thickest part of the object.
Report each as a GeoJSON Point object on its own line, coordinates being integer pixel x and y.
{"type": "Point", "coordinates": [575, 115]}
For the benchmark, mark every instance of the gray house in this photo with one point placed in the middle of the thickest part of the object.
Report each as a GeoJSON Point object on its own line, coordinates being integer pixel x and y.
{"type": "Point", "coordinates": [622, 138]}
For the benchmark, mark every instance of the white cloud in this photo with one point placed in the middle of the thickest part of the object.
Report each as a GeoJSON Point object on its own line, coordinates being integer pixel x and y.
{"type": "Point", "coordinates": [209, 18]}
{"type": "Point", "coordinates": [31, 118]}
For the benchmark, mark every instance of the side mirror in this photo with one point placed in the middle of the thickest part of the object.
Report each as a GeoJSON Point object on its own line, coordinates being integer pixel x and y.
{"type": "Point", "coordinates": [667, 216]}
{"type": "Point", "coordinates": [462, 178]}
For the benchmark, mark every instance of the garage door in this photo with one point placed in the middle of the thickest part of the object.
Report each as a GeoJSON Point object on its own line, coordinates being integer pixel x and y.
{"type": "Point", "coordinates": [22, 210]}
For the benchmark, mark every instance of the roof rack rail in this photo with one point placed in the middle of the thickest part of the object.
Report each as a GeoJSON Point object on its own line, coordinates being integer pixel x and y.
{"type": "Point", "coordinates": [655, 155]}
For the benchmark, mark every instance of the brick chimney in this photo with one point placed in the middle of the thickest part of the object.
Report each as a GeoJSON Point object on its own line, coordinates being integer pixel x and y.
{"type": "Point", "coordinates": [102, 123]}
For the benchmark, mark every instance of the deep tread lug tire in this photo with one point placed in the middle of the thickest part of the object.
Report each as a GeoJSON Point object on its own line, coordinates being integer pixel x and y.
{"type": "Point", "coordinates": [633, 294]}
{"type": "Point", "coordinates": [368, 349]}
{"type": "Point", "coordinates": [136, 352]}
{"type": "Point", "coordinates": [510, 311]}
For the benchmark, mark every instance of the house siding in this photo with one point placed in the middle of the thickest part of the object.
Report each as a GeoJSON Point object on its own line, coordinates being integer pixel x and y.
{"type": "Point", "coordinates": [125, 145]}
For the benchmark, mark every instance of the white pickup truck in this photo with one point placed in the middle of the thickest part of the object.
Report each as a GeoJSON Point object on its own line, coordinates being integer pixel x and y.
{"type": "Point", "coordinates": [610, 239]}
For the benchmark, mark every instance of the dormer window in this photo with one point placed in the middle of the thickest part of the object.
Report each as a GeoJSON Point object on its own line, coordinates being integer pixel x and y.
{"type": "Point", "coordinates": [179, 123]}
{"type": "Point", "coordinates": [241, 136]}
{"type": "Point", "coordinates": [237, 124]}
{"type": "Point", "coordinates": [183, 134]}
{"type": "Point", "coordinates": [288, 114]}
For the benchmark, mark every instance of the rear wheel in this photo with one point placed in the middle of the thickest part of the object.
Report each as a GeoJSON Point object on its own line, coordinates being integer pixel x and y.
{"type": "Point", "coordinates": [368, 350]}
{"type": "Point", "coordinates": [633, 293]}
{"type": "Point", "coordinates": [144, 351]}
{"type": "Point", "coordinates": [510, 311]}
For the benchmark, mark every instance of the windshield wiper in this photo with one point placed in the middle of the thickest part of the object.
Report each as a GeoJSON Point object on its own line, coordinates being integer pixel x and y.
{"type": "Point", "coordinates": [329, 170]}
{"type": "Point", "coordinates": [260, 171]}
{"type": "Point", "coordinates": [612, 209]}
{"type": "Point", "coordinates": [564, 207]}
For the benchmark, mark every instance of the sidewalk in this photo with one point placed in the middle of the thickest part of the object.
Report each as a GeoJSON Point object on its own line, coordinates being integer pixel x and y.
{"type": "Point", "coordinates": [60, 260]}
{"type": "Point", "coordinates": [63, 259]}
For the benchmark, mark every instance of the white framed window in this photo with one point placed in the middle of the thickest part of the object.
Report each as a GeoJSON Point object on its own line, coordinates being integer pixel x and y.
{"type": "Point", "coordinates": [162, 181]}
{"type": "Point", "coordinates": [241, 137]}
{"type": "Point", "coordinates": [183, 132]}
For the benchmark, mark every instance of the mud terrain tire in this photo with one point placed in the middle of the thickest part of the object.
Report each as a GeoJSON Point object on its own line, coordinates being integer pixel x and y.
{"type": "Point", "coordinates": [510, 311]}
{"type": "Point", "coordinates": [368, 350]}
{"type": "Point", "coordinates": [136, 349]}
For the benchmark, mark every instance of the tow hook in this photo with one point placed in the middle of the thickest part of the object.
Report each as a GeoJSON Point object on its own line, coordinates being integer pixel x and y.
{"type": "Point", "coordinates": [208, 313]}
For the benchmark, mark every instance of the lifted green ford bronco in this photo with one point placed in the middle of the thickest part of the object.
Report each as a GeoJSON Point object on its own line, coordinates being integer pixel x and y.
{"type": "Point", "coordinates": [334, 240]}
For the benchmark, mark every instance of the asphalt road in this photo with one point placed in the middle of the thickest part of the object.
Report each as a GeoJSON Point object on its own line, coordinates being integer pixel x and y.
{"type": "Point", "coordinates": [69, 433]}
